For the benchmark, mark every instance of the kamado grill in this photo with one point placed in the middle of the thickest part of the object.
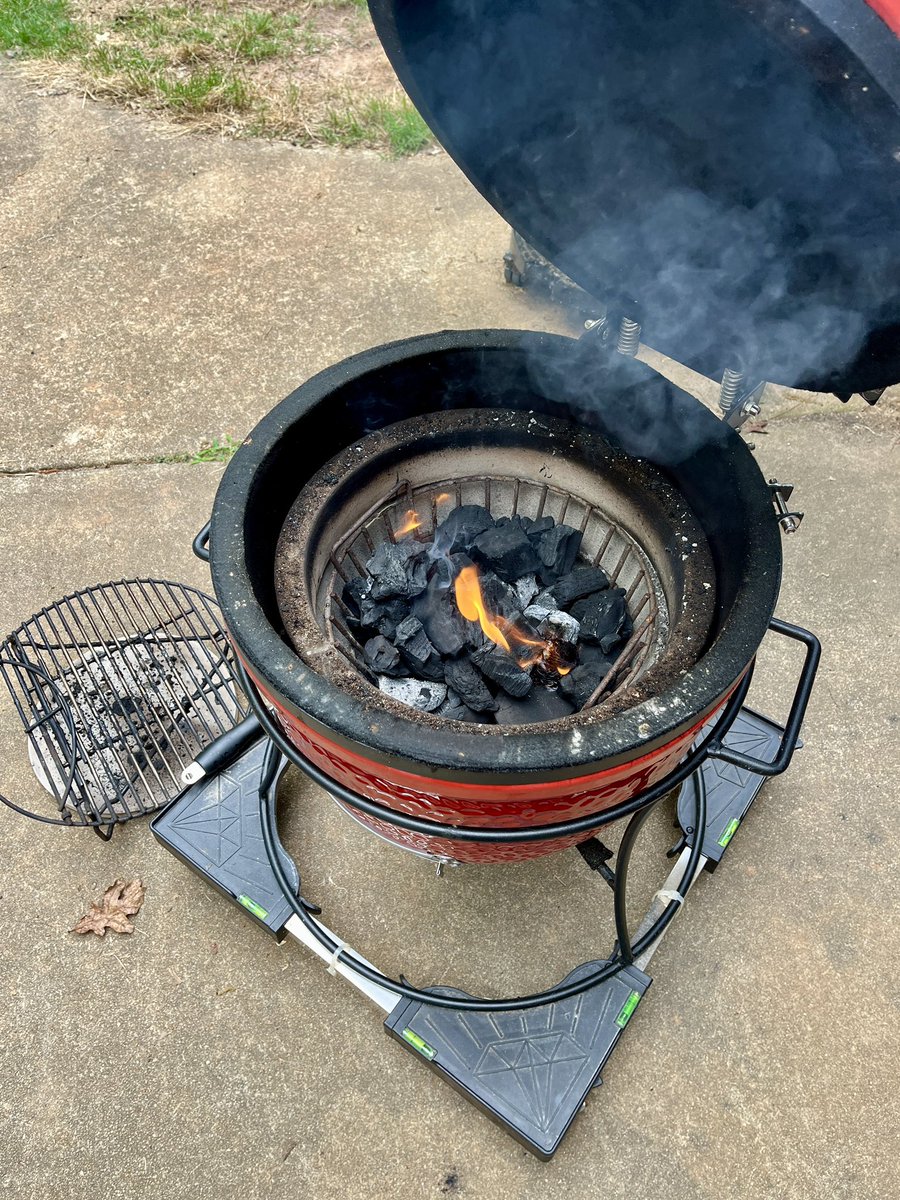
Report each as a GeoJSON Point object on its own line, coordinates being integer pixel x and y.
{"type": "Point", "coordinates": [496, 439]}
{"type": "Point", "coordinates": [494, 591]}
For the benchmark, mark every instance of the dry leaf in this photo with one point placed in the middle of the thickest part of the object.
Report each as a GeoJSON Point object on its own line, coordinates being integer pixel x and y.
{"type": "Point", "coordinates": [120, 901]}
{"type": "Point", "coordinates": [755, 427]}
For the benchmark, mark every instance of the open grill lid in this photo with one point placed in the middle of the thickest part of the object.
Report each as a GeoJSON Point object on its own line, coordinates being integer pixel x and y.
{"type": "Point", "coordinates": [732, 166]}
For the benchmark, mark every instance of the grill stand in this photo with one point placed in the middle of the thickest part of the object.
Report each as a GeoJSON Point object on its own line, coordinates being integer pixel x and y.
{"type": "Point", "coordinates": [532, 1068]}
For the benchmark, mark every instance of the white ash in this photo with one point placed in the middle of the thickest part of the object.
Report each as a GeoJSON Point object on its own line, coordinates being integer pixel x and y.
{"type": "Point", "coordinates": [526, 589]}
{"type": "Point", "coordinates": [540, 612]}
{"type": "Point", "coordinates": [417, 693]}
{"type": "Point", "coordinates": [563, 626]}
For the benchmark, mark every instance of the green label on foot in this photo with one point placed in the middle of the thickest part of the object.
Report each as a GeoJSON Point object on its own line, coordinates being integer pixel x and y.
{"type": "Point", "coordinates": [419, 1044]}
{"type": "Point", "coordinates": [627, 1009]}
{"type": "Point", "coordinates": [252, 906]}
{"type": "Point", "coordinates": [730, 830]}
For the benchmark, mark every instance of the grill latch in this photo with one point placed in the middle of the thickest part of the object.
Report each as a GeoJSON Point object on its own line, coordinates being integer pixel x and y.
{"type": "Point", "coordinates": [781, 493]}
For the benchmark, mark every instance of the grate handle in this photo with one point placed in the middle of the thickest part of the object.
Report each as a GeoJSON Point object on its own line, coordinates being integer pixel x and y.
{"type": "Point", "coordinates": [200, 544]}
{"type": "Point", "coordinates": [791, 735]}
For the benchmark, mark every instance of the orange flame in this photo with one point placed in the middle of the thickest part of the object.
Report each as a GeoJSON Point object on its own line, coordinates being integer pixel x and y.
{"type": "Point", "coordinates": [442, 497]}
{"type": "Point", "coordinates": [470, 603]}
{"type": "Point", "coordinates": [410, 523]}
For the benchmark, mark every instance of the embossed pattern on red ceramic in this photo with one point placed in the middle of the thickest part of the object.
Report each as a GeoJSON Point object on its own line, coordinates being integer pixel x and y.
{"type": "Point", "coordinates": [497, 806]}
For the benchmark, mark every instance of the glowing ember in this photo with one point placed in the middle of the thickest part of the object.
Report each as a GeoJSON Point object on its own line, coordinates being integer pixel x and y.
{"type": "Point", "coordinates": [411, 521]}
{"type": "Point", "coordinates": [507, 641]}
{"type": "Point", "coordinates": [470, 603]}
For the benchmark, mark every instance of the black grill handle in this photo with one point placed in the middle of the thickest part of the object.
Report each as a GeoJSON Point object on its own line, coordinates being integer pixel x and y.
{"type": "Point", "coordinates": [789, 738]}
{"type": "Point", "coordinates": [200, 544]}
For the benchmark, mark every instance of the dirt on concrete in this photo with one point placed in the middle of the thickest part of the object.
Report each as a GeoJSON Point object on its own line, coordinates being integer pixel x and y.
{"type": "Point", "coordinates": [156, 293]}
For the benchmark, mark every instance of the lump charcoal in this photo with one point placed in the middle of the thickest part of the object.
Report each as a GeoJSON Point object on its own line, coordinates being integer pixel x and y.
{"type": "Point", "coordinates": [469, 685]}
{"type": "Point", "coordinates": [558, 549]}
{"type": "Point", "coordinates": [561, 626]}
{"type": "Point", "coordinates": [383, 615]}
{"type": "Point", "coordinates": [442, 573]}
{"type": "Point", "coordinates": [454, 710]}
{"type": "Point", "coordinates": [388, 570]}
{"type": "Point", "coordinates": [417, 576]}
{"type": "Point", "coordinates": [605, 621]}
{"type": "Point", "coordinates": [539, 705]}
{"type": "Point", "coordinates": [446, 568]}
{"type": "Point", "coordinates": [499, 598]}
{"type": "Point", "coordinates": [501, 668]}
{"type": "Point", "coordinates": [593, 654]}
{"type": "Point", "coordinates": [417, 693]}
{"type": "Point", "coordinates": [539, 612]}
{"type": "Point", "coordinates": [579, 685]}
{"type": "Point", "coordinates": [526, 588]}
{"type": "Point", "coordinates": [546, 599]}
{"type": "Point", "coordinates": [382, 657]}
{"type": "Point", "coordinates": [417, 651]}
{"type": "Point", "coordinates": [461, 527]}
{"type": "Point", "coordinates": [386, 626]}
{"type": "Point", "coordinates": [528, 630]}
{"type": "Point", "coordinates": [506, 551]}
{"type": "Point", "coordinates": [517, 522]}
{"type": "Point", "coordinates": [565, 654]}
{"type": "Point", "coordinates": [583, 581]}
{"type": "Point", "coordinates": [444, 626]}
{"type": "Point", "coordinates": [539, 527]}
{"type": "Point", "coordinates": [353, 593]}
{"type": "Point", "coordinates": [615, 643]}
{"type": "Point", "coordinates": [397, 570]}
{"type": "Point", "coordinates": [475, 637]}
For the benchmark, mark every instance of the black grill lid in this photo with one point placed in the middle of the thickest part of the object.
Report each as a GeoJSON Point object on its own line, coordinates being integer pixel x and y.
{"type": "Point", "coordinates": [730, 165]}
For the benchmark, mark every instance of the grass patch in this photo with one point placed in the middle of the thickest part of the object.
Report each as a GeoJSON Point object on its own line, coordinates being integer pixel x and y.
{"type": "Point", "coordinates": [216, 451]}
{"type": "Point", "coordinates": [206, 91]}
{"type": "Point", "coordinates": [406, 130]}
{"type": "Point", "coordinates": [315, 75]}
{"type": "Point", "coordinates": [373, 122]}
{"type": "Point", "coordinates": [38, 27]}
{"type": "Point", "coordinates": [252, 36]}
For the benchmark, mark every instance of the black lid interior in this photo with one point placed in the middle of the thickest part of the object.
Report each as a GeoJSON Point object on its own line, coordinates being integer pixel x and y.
{"type": "Point", "coordinates": [730, 165]}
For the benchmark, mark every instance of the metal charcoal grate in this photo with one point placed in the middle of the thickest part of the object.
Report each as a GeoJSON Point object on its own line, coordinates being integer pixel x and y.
{"type": "Point", "coordinates": [634, 522]}
{"type": "Point", "coordinates": [118, 687]}
{"type": "Point", "coordinates": [416, 512]}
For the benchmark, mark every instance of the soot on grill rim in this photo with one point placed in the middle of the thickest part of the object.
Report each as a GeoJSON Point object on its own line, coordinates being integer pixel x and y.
{"type": "Point", "coordinates": [519, 483]}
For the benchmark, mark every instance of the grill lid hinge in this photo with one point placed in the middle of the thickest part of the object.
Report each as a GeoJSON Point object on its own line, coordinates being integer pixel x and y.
{"type": "Point", "coordinates": [618, 329]}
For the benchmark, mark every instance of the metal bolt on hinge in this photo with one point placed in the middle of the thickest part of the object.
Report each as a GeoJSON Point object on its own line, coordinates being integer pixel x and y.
{"type": "Point", "coordinates": [598, 328]}
{"type": "Point", "coordinates": [781, 493]}
{"type": "Point", "coordinates": [738, 404]}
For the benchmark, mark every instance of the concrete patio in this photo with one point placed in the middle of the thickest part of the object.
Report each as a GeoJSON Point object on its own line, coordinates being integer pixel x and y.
{"type": "Point", "coordinates": [159, 291]}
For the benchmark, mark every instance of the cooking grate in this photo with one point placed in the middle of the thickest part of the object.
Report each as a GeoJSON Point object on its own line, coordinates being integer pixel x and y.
{"type": "Point", "coordinates": [118, 687]}
{"type": "Point", "coordinates": [604, 544]}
